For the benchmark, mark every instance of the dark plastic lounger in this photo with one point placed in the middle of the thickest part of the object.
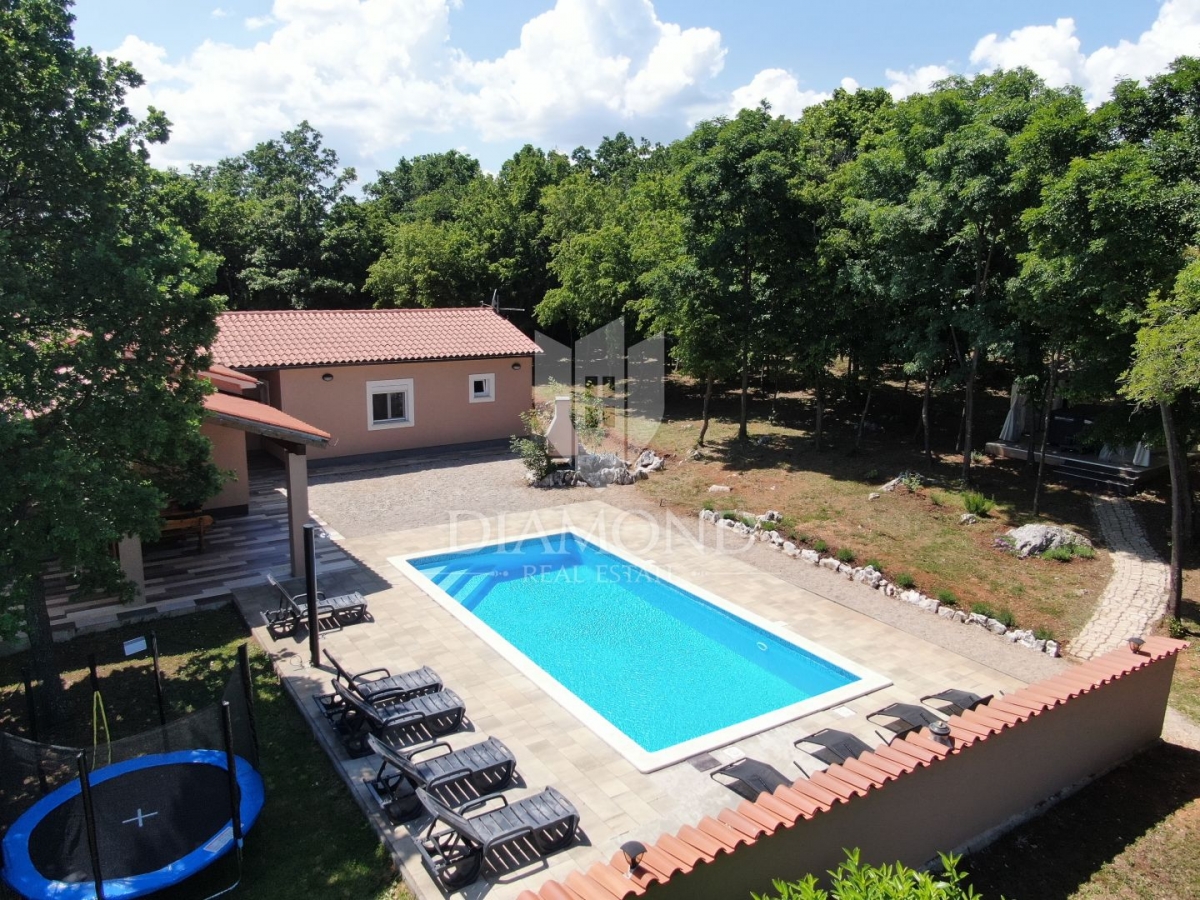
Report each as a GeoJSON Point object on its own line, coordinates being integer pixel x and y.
{"type": "Point", "coordinates": [750, 777]}
{"type": "Point", "coordinates": [543, 824]}
{"type": "Point", "coordinates": [441, 713]}
{"type": "Point", "coordinates": [329, 609]}
{"type": "Point", "coordinates": [953, 702]}
{"type": "Point", "coordinates": [483, 768]}
{"type": "Point", "coordinates": [378, 682]}
{"type": "Point", "coordinates": [901, 718]}
{"type": "Point", "coordinates": [833, 746]}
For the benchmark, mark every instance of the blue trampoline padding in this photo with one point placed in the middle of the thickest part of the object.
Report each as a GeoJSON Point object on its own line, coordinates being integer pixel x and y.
{"type": "Point", "coordinates": [25, 878]}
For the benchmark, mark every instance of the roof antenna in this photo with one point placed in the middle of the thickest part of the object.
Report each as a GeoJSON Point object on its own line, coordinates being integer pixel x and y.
{"type": "Point", "coordinates": [495, 304]}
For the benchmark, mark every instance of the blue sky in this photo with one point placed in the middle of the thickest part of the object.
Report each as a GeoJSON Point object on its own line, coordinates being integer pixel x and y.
{"type": "Point", "coordinates": [383, 79]}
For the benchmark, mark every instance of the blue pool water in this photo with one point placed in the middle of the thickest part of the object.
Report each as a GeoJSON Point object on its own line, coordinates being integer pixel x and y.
{"type": "Point", "coordinates": [658, 662]}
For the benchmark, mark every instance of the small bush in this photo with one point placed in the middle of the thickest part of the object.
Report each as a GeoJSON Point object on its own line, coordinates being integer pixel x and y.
{"type": "Point", "coordinates": [800, 537]}
{"type": "Point", "coordinates": [912, 481]}
{"type": "Point", "coordinates": [1042, 633]}
{"type": "Point", "coordinates": [937, 499]}
{"type": "Point", "coordinates": [875, 564]}
{"type": "Point", "coordinates": [904, 580]}
{"type": "Point", "coordinates": [978, 456]}
{"type": "Point", "coordinates": [977, 504]}
{"type": "Point", "coordinates": [729, 514]}
{"type": "Point", "coordinates": [1083, 551]}
{"type": "Point", "coordinates": [1176, 628]}
{"type": "Point", "coordinates": [984, 609]}
{"type": "Point", "coordinates": [873, 475]}
{"type": "Point", "coordinates": [1006, 618]}
{"type": "Point", "coordinates": [750, 521]}
{"type": "Point", "coordinates": [707, 504]}
{"type": "Point", "coordinates": [820, 546]}
{"type": "Point", "coordinates": [855, 880]}
{"type": "Point", "coordinates": [534, 455]}
{"type": "Point", "coordinates": [1060, 554]}
{"type": "Point", "coordinates": [947, 598]}
{"type": "Point", "coordinates": [845, 555]}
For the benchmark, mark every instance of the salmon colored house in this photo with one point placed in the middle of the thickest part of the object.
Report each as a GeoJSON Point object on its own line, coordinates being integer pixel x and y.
{"type": "Point", "coordinates": [387, 379]}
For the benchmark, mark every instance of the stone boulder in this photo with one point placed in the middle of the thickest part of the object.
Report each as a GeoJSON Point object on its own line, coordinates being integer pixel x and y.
{"type": "Point", "coordinates": [1029, 540]}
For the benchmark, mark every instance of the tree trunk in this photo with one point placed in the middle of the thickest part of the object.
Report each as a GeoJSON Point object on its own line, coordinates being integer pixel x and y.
{"type": "Point", "coordinates": [743, 434]}
{"type": "Point", "coordinates": [862, 420]}
{"type": "Point", "coordinates": [1051, 378]}
{"type": "Point", "coordinates": [1177, 464]}
{"type": "Point", "coordinates": [969, 414]}
{"type": "Point", "coordinates": [820, 398]}
{"type": "Point", "coordinates": [925, 420]}
{"type": "Point", "coordinates": [708, 386]}
{"type": "Point", "coordinates": [42, 656]}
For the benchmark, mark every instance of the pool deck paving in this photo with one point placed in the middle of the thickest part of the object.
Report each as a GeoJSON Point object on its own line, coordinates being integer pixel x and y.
{"type": "Point", "coordinates": [616, 802]}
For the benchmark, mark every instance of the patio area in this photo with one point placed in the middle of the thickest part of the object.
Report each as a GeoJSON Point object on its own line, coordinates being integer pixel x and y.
{"type": "Point", "coordinates": [615, 800]}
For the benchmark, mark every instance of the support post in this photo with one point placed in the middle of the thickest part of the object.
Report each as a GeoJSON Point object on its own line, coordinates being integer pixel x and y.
{"type": "Point", "coordinates": [310, 585]}
{"type": "Point", "coordinates": [93, 675]}
{"type": "Point", "coordinates": [296, 466]}
{"type": "Point", "coordinates": [248, 689]}
{"type": "Point", "coordinates": [158, 684]}
{"type": "Point", "coordinates": [129, 552]}
{"type": "Point", "coordinates": [235, 794]}
{"type": "Point", "coordinates": [89, 817]}
{"type": "Point", "coordinates": [30, 705]}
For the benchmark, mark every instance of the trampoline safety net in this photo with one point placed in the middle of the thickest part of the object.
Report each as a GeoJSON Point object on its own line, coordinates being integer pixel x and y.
{"type": "Point", "coordinates": [153, 782]}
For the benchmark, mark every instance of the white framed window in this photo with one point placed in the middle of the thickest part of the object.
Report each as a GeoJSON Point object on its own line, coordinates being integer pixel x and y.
{"type": "Point", "coordinates": [482, 388]}
{"type": "Point", "coordinates": [389, 404]}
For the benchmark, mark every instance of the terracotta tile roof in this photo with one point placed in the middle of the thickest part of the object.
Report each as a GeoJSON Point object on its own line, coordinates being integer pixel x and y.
{"type": "Point", "coordinates": [691, 847]}
{"type": "Point", "coordinates": [288, 337]}
{"type": "Point", "coordinates": [250, 415]}
{"type": "Point", "coordinates": [231, 374]}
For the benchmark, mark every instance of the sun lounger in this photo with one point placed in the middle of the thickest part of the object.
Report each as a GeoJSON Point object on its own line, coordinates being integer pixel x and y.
{"type": "Point", "coordinates": [901, 718]}
{"type": "Point", "coordinates": [832, 746]}
{"type": "Point", "coordinates": [483, 768]}
{"type": "Point", "coordinates": [953, 702]}
{"type": "Point", "coordinates": [378, 682]}
{"type": "Point", "coordinates": [750, 777]}
{"type": "Point", "coordinates": [532, 827]}
{"type": "Point", "coordinates": [439, 713]}
{"type": "Point", "coordinates": [290, 613]}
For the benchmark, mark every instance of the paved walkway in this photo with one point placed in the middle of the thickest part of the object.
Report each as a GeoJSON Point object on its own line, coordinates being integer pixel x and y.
{"type": "Point", "coordinates": [1136, 595]}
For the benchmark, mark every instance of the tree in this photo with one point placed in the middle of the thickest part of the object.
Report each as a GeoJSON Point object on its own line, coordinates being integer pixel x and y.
{"type": "Point", "coordinates": [105, 323]}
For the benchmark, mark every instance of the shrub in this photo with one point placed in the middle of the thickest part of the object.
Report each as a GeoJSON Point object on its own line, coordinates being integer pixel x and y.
{"type": "Point", "coordinates": [875, 564]}
{"type": "Point", "coordinates": [978, 456]}
{"type": "Point", "coordinates": [904, 580]}
{"type": "Point", "coordinates": [729, 514]}
{"type": "Point", "coordinates": [937, 499]}
{"type": "Point", "coordinates": [1042, 633]}
{"type": "Point", "coordinates": [977, 504]}
{"type": "Point", "coordinates": [820, 546]}
{"type": "Point", "coordinates": [873, 475]}
{"type": "Point", "coordinates": [1176, 628]}
{"type": "Point", "coordinates": [845, 555]}
{"type": "Point", "coordinates": [534, 455]}
{"type": "Point", "coordinates": [750, 521]}
{"type": "Point", "coordinates": [912, 481]}
{"type": "Point", "coordinates": [1006, 618]}
{"type": "Point", "coordinates": [947, 598]}
{"type": "Point", "coordinates": [707, 504]}
{"type": "Point", "coordinates": [1061, 554]}
{"type": "Point", "coordinates": [800, 537]}
{"type": "Point", "coordinates": [1083, 551]}
{"type": "Point", "coordinates": [854, 880]}
{"type": "Point", "coordinates": [984, 609]}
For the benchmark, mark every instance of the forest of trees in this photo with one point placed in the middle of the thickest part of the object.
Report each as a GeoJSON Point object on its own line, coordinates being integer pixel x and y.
{"type": "Point", "coordinates": [990, 221]}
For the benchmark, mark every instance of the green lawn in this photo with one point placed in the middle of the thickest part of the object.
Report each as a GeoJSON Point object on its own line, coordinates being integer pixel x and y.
{"type": "Point", "coordinates": [311, 841]}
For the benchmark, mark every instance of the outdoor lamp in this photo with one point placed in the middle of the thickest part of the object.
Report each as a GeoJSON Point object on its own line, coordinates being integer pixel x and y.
{"type": "Point", "coordinates": [328, 376]}
{"type": "Point", "coordinates": [941, 733]}
{"type": "Point", "coordinates": [1135, 643]}
{"type": "Point", "coordinates": [516, 367]}
{"type": "Point", "coordinates": [633, 851]}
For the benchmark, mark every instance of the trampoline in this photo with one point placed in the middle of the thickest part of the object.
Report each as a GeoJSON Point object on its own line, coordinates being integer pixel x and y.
{"type": "Point", "coordinates": [158, 820]}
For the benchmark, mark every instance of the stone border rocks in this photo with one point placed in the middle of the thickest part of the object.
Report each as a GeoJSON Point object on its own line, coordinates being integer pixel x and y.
{"type": "Point", "coordinates": [869, 577]}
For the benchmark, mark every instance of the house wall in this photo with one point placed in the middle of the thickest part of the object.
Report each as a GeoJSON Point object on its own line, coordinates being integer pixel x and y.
{"type": "Point", "coordinates": [442, 410]}
{"type": "Point", "coordinates": [229, 453]}
{"type": "Point", "coordinates": [958, 803]}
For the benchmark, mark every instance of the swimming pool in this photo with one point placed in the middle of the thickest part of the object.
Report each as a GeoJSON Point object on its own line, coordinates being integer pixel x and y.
{"type": "Point", "coordinates": [660, 669]}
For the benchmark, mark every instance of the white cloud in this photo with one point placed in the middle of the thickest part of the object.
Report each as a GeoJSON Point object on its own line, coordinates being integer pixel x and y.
{"type": "Point", "coordinates": [1054, 51]}
{"type": "Point", "coordinates": [219, 13]}
{"type": "Point", "coordinates": [254, 23]}
{"type": "Point", "coordinates": [849, 84]}
{"type": "Point", "coordinates": [914, 81]}
{"type": "Point", "coordinates": [1050, 50]}
{"type": "Point", "coordinates": [780, 89]}
{"type": "Point", "coordinates": [589, 64]}
{"type": "Point", "coordinates": [370, 74]}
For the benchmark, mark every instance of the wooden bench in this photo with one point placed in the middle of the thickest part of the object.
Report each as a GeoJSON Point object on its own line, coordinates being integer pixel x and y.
{"type": "Point", "coordinates": [198, 524]}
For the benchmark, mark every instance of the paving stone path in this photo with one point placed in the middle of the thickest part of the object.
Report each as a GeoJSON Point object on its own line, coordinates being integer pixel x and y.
{"type": "Point", "coordinates": [1136, 596]}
